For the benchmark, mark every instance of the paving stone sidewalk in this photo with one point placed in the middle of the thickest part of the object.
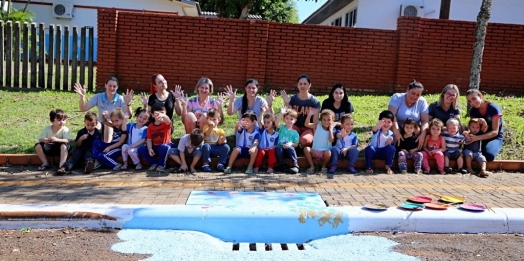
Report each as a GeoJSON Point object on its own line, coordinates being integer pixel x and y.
{"type": "Point", "coordinates": [25, 185]}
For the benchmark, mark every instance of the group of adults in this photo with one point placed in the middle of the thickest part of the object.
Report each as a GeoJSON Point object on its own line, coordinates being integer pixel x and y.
{"type": "Point", "coordinates": [406, 105]}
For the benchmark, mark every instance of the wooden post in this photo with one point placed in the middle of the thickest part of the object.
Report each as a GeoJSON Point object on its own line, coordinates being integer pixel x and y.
{"type": "Point", "coordinates": [41, 55]}
{"type": "Point", "coordinates": [83, 55]}
{"type": "Point", "coordinates": [25, 58]}
{"type": "Point", "coordinates": [33, 56]}
{"type": "Point", "coordinates": [58, 55]}
{"type": "Point", "coordinates": [74, 62]}
{"type": "Point", "coordinates": [66, 59]}
{"type": "Point", "coordinates": [16, 56]}
{"type": "Point", "coordinates": [2, 36]}
{"type": "Point", "coordinates": [445, 6]}
{"type": "Point", "coordinates": [9, 54]}
{"type": "Point", "coordinates": [50, 56]}
{"type": "Point", "coordinates": [90, 59]}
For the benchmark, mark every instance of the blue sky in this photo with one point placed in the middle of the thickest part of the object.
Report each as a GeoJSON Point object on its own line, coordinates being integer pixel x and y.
{"type": "Point", "coordinates": [305, 8]}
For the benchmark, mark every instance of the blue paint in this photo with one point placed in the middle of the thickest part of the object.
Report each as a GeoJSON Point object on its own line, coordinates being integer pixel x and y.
{"type": "Point", "coordinates": [261, 199]}
{"type": "Point", "coordinates": [289, 224]}
{"type": "Point", "coordinates": [185, 245]}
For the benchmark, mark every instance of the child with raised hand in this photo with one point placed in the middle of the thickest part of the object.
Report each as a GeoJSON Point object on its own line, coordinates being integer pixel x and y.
{"type": "Point", "coordinates": [454, 140]}
{"type": "Point", "coordinates": [322, 139]}
{"type": "Point", "coordinates": [84, 145]}
{"type": "Point", "coordinates": [288, 139]}
{"type": "Point", "coordinates": [247, 142]}
{"type": "Point", "coordinates": [434, 146]}
{"type": "Point", "coordinates": [346, 146]}
{"type": "Point", "coordinates": [158, 139]}
{"type": "Point", "coordinates": [106, 152]}
{"type": "Point", "coordinates": [408, 147]}
{"type": "Point", "coordinates": [472, 151]}
{"type": "Point", "coordinates": [268, 142]}
{"type": "Point", "coordinates": [381, 146]}
{"type": "Point", "coordinates": [215, 143]}
{"type": "Point", "coordinates": [137, 137]}
{"type": "Point", "coordinates": [54, 140]}
{"type": "Point", "coordinates": [189, 146]}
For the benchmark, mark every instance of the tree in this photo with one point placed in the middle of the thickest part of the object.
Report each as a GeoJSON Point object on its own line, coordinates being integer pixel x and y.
{"type": "Point", "coordinates": [272, 10]}
{"type": "Point", "coordinates": [478, 46]}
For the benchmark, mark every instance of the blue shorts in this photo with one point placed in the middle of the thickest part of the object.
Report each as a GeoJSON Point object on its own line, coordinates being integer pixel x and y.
{"type": "Point", "coordinates": [244, 153]}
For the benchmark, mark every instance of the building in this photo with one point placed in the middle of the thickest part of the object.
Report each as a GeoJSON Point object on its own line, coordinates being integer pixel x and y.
{"type": "Point", "coordinates": [383, 14]}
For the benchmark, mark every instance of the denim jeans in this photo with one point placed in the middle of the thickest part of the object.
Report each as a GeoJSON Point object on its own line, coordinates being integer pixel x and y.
{"type": "Point", "coordinates": [215, 150]}
{"type": "Point", "coordinates": [289, 152]}
{"type": "Point", "coordinates": [351, 155]}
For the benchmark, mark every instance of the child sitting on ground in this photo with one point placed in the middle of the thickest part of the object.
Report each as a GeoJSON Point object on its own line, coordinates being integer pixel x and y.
{"type": "Point", "coordinates": [268, 142]}
{"type": "Point", "coordinates": [54, 140]}
{"type": "Point", "coordinates": [189, 146]}
{"type": "Point", "coordinates": [158, 139]}
{"type": "Point", "coordinates": [287, 140]}
{"type": "Point", "coordinates": [454, 140]}
{"type": "Point", "coordinates": [472, 150]}
{"type": "Point", "coordinates": [106, 152]}
{"type": "Point", "coordinates": [346, 146]}
{"type": "Point", "coordinates": [408, 147]}
{"type": "Point", "coordinates": [84, 145]}
{"type": "Point", "coordinates": [137, 137]}
{"type": "Point", "coordinates": [322, 139]}
{"type": "Point", "coordinates": [380, 146]}
{"type": "Point", "coordinates": [434, 147]}
{"type": "Point", "coordinates": [215, 143]}
{"type": "Point", "coordinates": [247, 142]}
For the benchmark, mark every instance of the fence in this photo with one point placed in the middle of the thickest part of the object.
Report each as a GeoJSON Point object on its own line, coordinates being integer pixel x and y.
{"type": "Point", "coordinates": [56, 61]}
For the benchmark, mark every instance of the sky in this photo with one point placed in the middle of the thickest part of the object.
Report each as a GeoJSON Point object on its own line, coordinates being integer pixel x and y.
{"type": "Point", "coordinates": [305, 8]}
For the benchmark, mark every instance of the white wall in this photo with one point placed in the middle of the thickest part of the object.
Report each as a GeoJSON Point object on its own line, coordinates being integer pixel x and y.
{"type": "Point", "coordinates": [383, 14]}
{"type": "Point", "coordinates": [503, 11]}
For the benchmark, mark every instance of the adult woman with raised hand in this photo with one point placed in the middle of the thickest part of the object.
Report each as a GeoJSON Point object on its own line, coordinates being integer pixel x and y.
{"type": "Point", "coordinates": [249, 101]}
{"type": "Point", "coordinates": [161, 95]}
{"type": "Point", "coordinates": [448, 105]}
{"type": "Point", "coordinates": [302, 102]}
{"type": "Point", "coordinates": [410, 105]}
{"type": "Point", "coordinates": [338, 102]}
{"type": "Point", "coordinates": [194, 110]}
{"type": "Point", "coordinates": [492, 139]}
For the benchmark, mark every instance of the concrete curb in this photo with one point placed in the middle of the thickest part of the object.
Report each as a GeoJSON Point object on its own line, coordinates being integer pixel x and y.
{"type": "Point", "coordinates": [255, 224]}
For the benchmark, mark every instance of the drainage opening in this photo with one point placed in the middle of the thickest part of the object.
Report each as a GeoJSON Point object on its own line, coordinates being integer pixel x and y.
{"type": "Point", "coordinates": [267, 247]}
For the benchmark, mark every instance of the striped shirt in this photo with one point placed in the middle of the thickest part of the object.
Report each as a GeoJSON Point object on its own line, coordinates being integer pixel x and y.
{"type": "Point", "coordinates": [453, 142]}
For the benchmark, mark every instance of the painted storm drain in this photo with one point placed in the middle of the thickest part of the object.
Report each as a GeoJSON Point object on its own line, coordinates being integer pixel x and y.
{"type": "Point", "coordinates": [52, 215]}
{"type": "Point", "coordinates": [267, 247]}
{"type": "Point", "coordinates": [332, 218]}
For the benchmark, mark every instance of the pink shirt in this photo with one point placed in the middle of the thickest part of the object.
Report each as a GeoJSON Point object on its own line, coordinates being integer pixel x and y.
{"type": "Point", "coordinates": [194, 106]}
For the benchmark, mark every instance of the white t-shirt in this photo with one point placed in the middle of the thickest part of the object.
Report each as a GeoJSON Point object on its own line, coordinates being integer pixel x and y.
{"type": "Point", "coordinates": [185, 143]}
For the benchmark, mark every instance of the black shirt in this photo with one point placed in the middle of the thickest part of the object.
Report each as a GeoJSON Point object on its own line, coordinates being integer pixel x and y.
{"type": "Point", "coordinates": [169, 103]}
{"type": "Point", "coordinates": [87, 144]}
{"type": "Point", "coordinates": [436, 111]}
{"type": "Point", "coordinates": [339, 112]}
{"type": "Point", "coordinates": [408, 143]}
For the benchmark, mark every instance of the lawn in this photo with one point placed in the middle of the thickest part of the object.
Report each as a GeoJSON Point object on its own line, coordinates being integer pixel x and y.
{"type": "Point", "coordinates": [26, 114]}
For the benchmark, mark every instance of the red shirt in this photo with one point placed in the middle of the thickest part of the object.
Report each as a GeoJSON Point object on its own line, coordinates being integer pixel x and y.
{"type": "Point", "coordinates": [159, 134]}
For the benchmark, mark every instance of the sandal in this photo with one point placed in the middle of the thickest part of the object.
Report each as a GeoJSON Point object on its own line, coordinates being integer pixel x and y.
{"type": "Point", "coordinates": [61, 171]}
{"type": "Point", "coordinates": [484, 174]}
{"type": "Point", "coordinates": [124, 167]}
{"type": "Point", "coordinates": [152, 167]}
{"type": "Point", "coordinates": [369, 171]}
{"type": "Point", "coordinates": [426, 171]}
{"type": "Point", "coordinates": [43, 167]}
{"type": "Point", "coordinates": [470, 171]}
{"type": "Point", "coordinates": [138, 166]}
{"type": "Point", "coordinates": [390, 172]}
{"type": "Point", "coordinates": [311, 170]}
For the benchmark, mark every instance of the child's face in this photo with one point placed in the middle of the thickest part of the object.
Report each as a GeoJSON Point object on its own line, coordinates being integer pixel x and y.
{"type": "Point", "coordinates": [452, 128]}
{"type": "Point", "coordinates": [268, 124]}
{"type": "Point", "coordinates": [327, 120]}
{"type": "Point", "coordinates": [117, 122]}
{"type": "Point", "coordinates": [59, 123]}
{"type": "Point", "coordinates": [90, 125]}
{"type": "Point", "coordinates": [347, 125]}
{"type": "Point", "coordinates": [289, 120]}
{"type": "Point", "coordinates": [474, 128]}
{"type": "Point", "coordinates": [156, 114]}
{"type": "Point", "coordinates": [409, 129]}
{"type": "Point", "coordinates": [435, 130]}
{"type": "Point", "coordinates": [248, 123]}
{"type": "Point", "coordinates": [387, 123]}
{"type": "Point", "coordinates": [215, 119]}
{"type": "Point", "coordinates": [142, 118]}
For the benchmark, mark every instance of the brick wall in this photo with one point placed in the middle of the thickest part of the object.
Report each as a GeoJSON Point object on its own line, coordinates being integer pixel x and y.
{"type": "Point", "coordinates": [135, 45]}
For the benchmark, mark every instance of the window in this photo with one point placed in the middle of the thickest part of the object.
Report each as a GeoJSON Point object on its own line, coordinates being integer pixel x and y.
{"type": "Point", "coordinates": [337, 22]}
{"type": "Point", "coordinates": [351, 18]}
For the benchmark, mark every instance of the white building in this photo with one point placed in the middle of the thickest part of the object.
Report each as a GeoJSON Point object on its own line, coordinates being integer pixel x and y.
{"type": "Point", "coordinates": [383, 14]}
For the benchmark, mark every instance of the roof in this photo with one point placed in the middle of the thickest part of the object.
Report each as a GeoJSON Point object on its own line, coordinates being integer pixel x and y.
{"type": "Point", "coordinates": [326, 10]}
{"type": "Point", "coordinates": [214, 15]}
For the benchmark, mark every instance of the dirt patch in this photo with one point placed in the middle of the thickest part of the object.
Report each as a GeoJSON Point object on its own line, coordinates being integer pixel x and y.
{"type": "Point", "coordinates": [457, 247]}
{"type": "Point", "coordinates": [61, 244]}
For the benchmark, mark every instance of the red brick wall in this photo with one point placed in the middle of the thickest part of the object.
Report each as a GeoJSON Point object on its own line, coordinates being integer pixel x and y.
{"type": "Point", "coordinates": [436, 52]}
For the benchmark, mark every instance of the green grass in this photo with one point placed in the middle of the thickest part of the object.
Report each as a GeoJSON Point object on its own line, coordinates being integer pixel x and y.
{"type": "Point", "coordinates": [26, 113]}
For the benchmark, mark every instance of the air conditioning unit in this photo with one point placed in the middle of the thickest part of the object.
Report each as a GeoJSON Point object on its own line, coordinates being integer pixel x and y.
{"type": "Point", "coordinates": [411, 10]}
{"type": "Point", "coordinates": [63, 10]}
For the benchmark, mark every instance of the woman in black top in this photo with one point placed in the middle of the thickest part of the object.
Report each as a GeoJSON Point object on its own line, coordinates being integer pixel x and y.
{"type": "Point", "coordinates": [338, 102]}
{"type": "Point", "coordinates": [159, 93]}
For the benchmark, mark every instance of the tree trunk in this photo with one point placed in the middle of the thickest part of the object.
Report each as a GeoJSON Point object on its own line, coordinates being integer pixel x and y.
{"type": "Point", "coordinates": [26, 4]}
{"type": "Point", "coordinates": [246, 6]}
{"type": "Point", "coordinates": [478, 46]}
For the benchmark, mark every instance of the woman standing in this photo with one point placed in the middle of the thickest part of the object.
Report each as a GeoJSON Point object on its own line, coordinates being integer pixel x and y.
{"type": "Point", "coordinates": [302, 102]}
{"type": "Point", "coordinates": [492, 140]}
{"type": "Point", "coordinates": [249, 101]}
{"type": "Point", "coordinates": [410, 105]}
{"type": "Point", "coordinates": [338, 102]}
{"type": "Point", "coordinates": [194, 110]}
{"type": "Point", "coordinates": [448, 105]}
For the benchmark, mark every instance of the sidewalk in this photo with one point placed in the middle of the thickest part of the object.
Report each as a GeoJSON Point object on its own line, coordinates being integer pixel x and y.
{"type": "Point", "coordinates": [24, 185]}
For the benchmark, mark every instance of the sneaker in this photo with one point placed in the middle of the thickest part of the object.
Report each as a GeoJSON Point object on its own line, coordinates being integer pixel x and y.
{"type": "Point", "coordinates": [161, 169]}
{"type": "Point", "coordinates": [90, 165]}
{"type": "Point", "coordinates": [255, 171]}
{"type": "Point", "coordinates": [293, 170]}
{"type": "Point", "coordinates": [117, 167]}
{"type": "Point", "coordinates": [418, 171]}
{"type": "Point", "coordinates": [449, 170]}
{"type": "Point", "coordinates": [206, 168]}
{"type": "Point", "coordinates": [352, 170]}
{"type": "Point", "coordinates": [404, 172]}
{"type": "Point", "coordinates": [227, 170]}
{"type": "Point", "coordinates": [220, 167]}
{"type": "Point", "coordinates": [249, 171]}
{"type": "Point", "coordinates": [323, 170]}
{"type": "Point", "coordinates": [332, 170]}
{"type": "Point", "coordinates": [97, 165]}
{"type": "Point", "coordinates": [463, 171]}
{"type": "Point", "coordinates": [310, 170]}
{"type": "Point", "coordinates": [153, 167]}
{"type": "Point", "coordinates": [270, 171]}
{"type": "Point", "coordinates": [285, 168]}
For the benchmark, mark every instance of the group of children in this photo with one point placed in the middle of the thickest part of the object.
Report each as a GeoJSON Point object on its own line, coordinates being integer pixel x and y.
{"type": "Point", "coordinates": [257, 137]}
